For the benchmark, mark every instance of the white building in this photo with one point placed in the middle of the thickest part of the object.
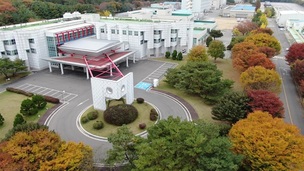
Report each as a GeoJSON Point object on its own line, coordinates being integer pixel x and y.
{"type": "Point", "coordinates": [283, 16]}
{"type": "Point", "coordinates": [238, 11]}
{"type": "Point", "coordinates": [197, 6]}
{"type": "Point", "coordinates": [218, 4]}
{"type": "Point", "coordinates": [147, 37]}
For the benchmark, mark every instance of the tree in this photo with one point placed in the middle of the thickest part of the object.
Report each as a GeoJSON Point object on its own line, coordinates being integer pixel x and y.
{"type": "Point", "coordinates": [28, 108]}
{"type": "Point", "coordinates": [27, 127]}
{"type": "Point", "coordinates": [296, 51]}
{"type": "Point", "coordinates": [208, 40]}
{"type": "Point", "coordinates": [199, 78]}
{"type": "Point", "coordinates": [231, 108]}
{"type": "Point", "coordinates": [174, 55]}
{"type": "Point", "coordinates": [44, 150]}
{"type": "Point", "coordinates": [257, 5]}
{"type": "Point", "coordinates": [301, 87]}
{"type": "Point", "coordinates": [264, 40]}
{"type": "Point", "coordinates": [256, 17]}
{"type": "Point", "coordinates": [262, 30]}
{"type": "Point", "coordinates": [39, 101]}
{"type": "Point", "coordinates": [216, 49]}
{"type": "Point", "coordinates": [1, 120]}
{"type": "Point", "coordinates": [263, 20]}
{"type": "Point", "coordinates": [266, 101]}
{"type": "Point", "coordinates": [105, 13]}
{"type": "Point", "coordinates": [246, 27]}
{"type": "Point", "coordinates": [216, 33]}
{"type": "Point", "coordinates": [19, 120]}
{"type": "Point", "coordinates": [260, 59]}
{"type": "Point", "coordinates": [298, 71]}
{"type": "Point", "coordinates": [6, 67]}
{"type": "Point", "coordinates": [180, 56]}
{"type": "Point", "coordinates": [240, 53]}
{"type": "Point", "coordinates": [167, 55]}
{"type": "Point", "coordinates": [268, 51]}
{"type": "Point", "coordinates": [268, 143]}
{"type": "Point", "coordinates": [259, 78]}
{"type": "Point", "coordinates": [198, 53]}
{"type": "Point", "coordinates": [235, 40]}
{"type": "Point", "coordinates": [164, 149]}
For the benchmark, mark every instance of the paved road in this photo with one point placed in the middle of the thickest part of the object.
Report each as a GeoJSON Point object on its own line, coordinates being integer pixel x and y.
{"type": "Point", "coordinates": [76, 84]}
{"type": "Point", "coordinates": [289, 96]}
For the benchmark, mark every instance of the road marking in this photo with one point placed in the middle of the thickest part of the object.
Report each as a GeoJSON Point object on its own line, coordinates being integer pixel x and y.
{"type": "Point", "coordinates": [287, 104]}
{"type": "Point", "coordinates": [82, 102]}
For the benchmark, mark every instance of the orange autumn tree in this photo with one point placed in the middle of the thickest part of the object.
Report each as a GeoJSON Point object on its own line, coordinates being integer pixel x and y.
{"type": "Point", "coordinates": [268, 143]}
{"type": "Point", "coordinates": [260, 78]}
{"type": "Point", "coordinates": [260, 59]}
{"type": "Point", "coordinates": [240, 54]}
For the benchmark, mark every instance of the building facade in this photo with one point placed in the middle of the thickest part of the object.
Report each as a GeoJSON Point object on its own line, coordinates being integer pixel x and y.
{"type": "Point", "coordinates": [197, 6]}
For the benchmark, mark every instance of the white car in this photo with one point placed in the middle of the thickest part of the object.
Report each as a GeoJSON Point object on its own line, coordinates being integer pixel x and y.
{"type": "Point", "coordinates": [287, 49]}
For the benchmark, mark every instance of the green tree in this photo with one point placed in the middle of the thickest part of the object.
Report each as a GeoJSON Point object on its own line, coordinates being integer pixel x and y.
{"type": "Point", "coordinates": [19, 120]}
{"type": "Point", "coordinates": [208, 40]}
{"type": "Point", "coordinates": [28, 108]}
{"type": "Point", "coordinates": [6, 67]}
{"type": "Point", "coordinates": [174, 55]}
{"type": "Point", "coordinates": [180, 56]}
{"type": "Point", "coordinates": [268, 143]}
{"type": "Point", "coordinates": [235, 40]}
{"type": "Point", "coordinates": [167, 55]}
{"type": "Point", "coordinates": [216, 49]}
{"type": "Point", "coordinates": [199, 78]}
{"type": "Point", "coordinates": [39, 101]}
{"type": "Point", "coordinates": [231, 108]}
{"type": "Point", "coordinates": [18, 65]}
{"type": "Point", "coordinates": [27, 127]}
{"type": "Point", "coordinates": [216, 33]}
{"type": "Point", "coordinates": [1, 120]}
{"type": "Point", "coordinates": [198, 53]}
{"type": "Point", "coordinates": [164, 149]}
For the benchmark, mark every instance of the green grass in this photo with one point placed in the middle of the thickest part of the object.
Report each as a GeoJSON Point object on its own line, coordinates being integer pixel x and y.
{"type": "Point", "coordinates": [18, 76]}
{"type": "Point", "coordinates": [203, 110]}
{"type": "Point", "coordinates": [10, 106]}
{"type": "Point", "coordinates": [143, 117]}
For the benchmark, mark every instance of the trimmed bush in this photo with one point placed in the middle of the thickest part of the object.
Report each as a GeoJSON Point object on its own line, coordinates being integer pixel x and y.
{"type": "Point", "coordinates": [84, 119]}
{"type": "Point", "coordinates": [1, 120]}
{"type": "Point", "coordinates": [180, 56]}
{"type": "Point", "coordinates": [51, 99]}
{"type": "Point", "coordinates": [28, 108]}
{"type": "Point", "coordinates": [39, 101]}
{"type": "Point", "coordinates": [18, 91]}
{"type": "Point", "coordinates": [19, 120]}
{"type": "Point", "coordinates": [140, 100]}
{"type": "Point", "coordinates": [98, 125]}
{"type": "Point", "coordinates": [142, 126]}
{"type": "Point", "coordinates": [153, 115]}
{"type": "Point", "coordinates": [27, 127]}
{"type": "Point", "coordinates": [120, 114]}
{"type": "Point", "coordinates": [167, 55]}
{"type": "Point", "coordinates": [92, 115]}
{"type": "Point", "coordinates": [174, 55]}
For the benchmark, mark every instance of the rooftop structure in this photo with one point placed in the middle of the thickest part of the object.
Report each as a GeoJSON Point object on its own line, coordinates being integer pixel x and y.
{"type": "Point", "coordinates": [238, 11]}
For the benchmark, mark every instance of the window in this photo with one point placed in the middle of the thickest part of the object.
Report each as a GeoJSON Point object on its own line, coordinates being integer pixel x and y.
{"type": "Point", "coordinates": [141, 33]}
{"type": "Point", "coordinates": [31, 41]}
{"type": "Point", "coordinates": [173, 39]}
{"type": "Point", "coordinates": [112, 31]}
{"type": "Point", "coordinates": [33, 50]}
{"type": "Point", "coordinates": [3, 53]}
{"type": "Point", "coordinates": [102, 30]}
{"type": "Point", "coordinates": [5, 42]}
{"type": "Point", "coordinates": [27, 50]}
{"type": "Point", "coordinates": [173, 30]}
{"type": "Point", "coordinates": [141, 42]}
{"type": "Point", "coordinates": [124, 32]}
{"type": "Point", "coordinates": [15, 52]}
{"type": "Point", "coordinates": [156, 32]}
{"type": "Point", "coordinates": [130, 32]}
{"type": "Point", "coordinates": [13, 41]}
{"type": "Point", "coordinates": [8, 52]}
{"type": "Point", "coordinates": [117, 31]}
{"type": "Point", "coordinates": [156, 40]}
{"type": "Point", "coordinates": [135, 33]}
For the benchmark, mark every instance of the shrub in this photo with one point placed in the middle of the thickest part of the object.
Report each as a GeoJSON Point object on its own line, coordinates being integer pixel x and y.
{"type": "Point", "coordinates": [1, 120]}
{"type": "Point", "coordinates": [153, 115]}
{"type": "Point", "coordinates": [18, 91]}
{"type": "Point", "coordinates": [120, 114]}
{"type": "Point", "coordinates": [174, 55]}
{"type": "Point", "coordinates": [19, 120]}
{"type": "Point", "coordinates": [51, 99]}
{"type": "Point", "coordinates": [39, 101]}
{"type": "Point", "coordinates": [28, 108]}
{"type": "Point", "coordinates": [84, 119]}
{"type": "Point", "coordinates": [98, 125]}
{"type": "Point", "coordinates": [167, 55]}
{"type": "Point", "coordinates": [140, 100]}
{"type": "Point", "coordinates": [142, 126]}
{"type": "Point", "coordinates": [180, 56]}
{"type": "Point", "coordinates": [27, 127]}
{"type": "Point", "coordinates": [92, 115]}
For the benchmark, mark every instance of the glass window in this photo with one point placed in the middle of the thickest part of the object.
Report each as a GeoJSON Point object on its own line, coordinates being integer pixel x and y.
{"type": "Point", "coordinates": [141, 33]}
{"type": "Point", "coordinates": [5, 42]}
{"type": "Point", "coordinates": [141, 42]}
{"type": "Point", "coordinates": [15, 52]}
{"type": "Point", "coordinates": [124, 32]}
{"type": "Point", "coordinates": [13, 41]}
{"type": "Point", "coordinates": [117, 31]}
{"type": "Point", "coordinates": [3, 53]}
{"type": "Point", "coordinates": [156, 31]}
{"type": "Point", "coordinates": [135, 33]}
{"type": "Point", "coordinates": [112, 31]}
{"type": "Point", "coordinates": [33, 50]}
{"type": "Point", "coordinates": [8, 52]}
{"type": "Point", "coordinates": [156, 40]}
{"type": "Point", "coordinates": [130, 32]}
{"type": "Point", "coordinates": [102, 30]}
{"type": "Point", "coordinates": [31, 41]}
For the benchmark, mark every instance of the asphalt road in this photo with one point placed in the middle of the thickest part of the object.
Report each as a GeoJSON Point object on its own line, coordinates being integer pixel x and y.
{"type": "Point", "coordinates": [64, 121]}
{"type": "Point", "coordinates": [289, 95]}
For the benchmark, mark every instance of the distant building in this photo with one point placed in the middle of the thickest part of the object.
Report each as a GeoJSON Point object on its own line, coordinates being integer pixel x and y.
{"type": "Point", "coordinates": [238, 11]}
{"type": "Point", "coordinates": [296, 28]}
{"type": "Point", "coordinates": [218, 4]}
{"type": "Point", "coordinates": [283, 16]}
{"type": "Point", "coordinates": [197, 6]}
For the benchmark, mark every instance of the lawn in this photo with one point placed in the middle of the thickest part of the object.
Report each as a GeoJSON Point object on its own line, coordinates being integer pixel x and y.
{"type": "Point", "coordinates": [143, 117]}
{"type": "Point", "coordinates": [18, 76]}
{"type": "Point", "coordinates": [10, 105]}
{"type": "Point", "coordinates": [203, 110]}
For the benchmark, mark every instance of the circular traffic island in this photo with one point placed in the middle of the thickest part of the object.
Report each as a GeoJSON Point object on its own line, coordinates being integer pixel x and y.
{"type": "Point", "coordinates": [136, 116]}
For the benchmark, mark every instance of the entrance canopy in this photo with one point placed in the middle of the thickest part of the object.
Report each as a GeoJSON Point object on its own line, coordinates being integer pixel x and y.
{"type": "Point", "coordinates": [90, 46]}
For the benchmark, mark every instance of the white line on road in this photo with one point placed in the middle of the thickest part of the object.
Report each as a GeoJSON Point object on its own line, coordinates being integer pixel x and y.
{"type": "Point", "coordinates": [83, 102]}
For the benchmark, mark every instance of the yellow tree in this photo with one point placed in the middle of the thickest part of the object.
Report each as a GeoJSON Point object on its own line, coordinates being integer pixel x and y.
{"type": "Point", "coordinates": [264, 40]}
{"type": "Point", "coordinates": [268, 143]}
{"type": "Point", "coordinates": [263, 20]}
{"type": "Point", "coordinates": [105, 13]}
{"type": "Point", "coordinates": [198, 53]}
{"type": "Point", "coordinates": [260, 78]}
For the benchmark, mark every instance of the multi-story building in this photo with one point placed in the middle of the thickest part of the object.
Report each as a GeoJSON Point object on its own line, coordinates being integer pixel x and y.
{"type": "Point", "coordinates": [197, 6]}
{"type": "Point", "coordinates": [150, 35]}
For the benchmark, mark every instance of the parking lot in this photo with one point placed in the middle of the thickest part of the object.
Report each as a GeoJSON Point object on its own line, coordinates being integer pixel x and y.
{"type": "Point", "coordinates": [64, 96]}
